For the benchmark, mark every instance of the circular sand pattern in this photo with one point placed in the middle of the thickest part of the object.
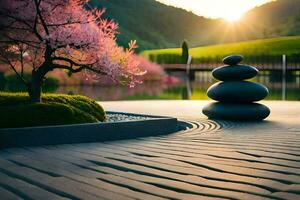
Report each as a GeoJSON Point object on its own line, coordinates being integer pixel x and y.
{"type": "Point", "coordinates": [198, 128]}
{"type": "Point", "coordinates": [203, 127]}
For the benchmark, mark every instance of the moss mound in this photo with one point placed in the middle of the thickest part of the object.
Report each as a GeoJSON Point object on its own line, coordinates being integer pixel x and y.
{"type": "Point", "coordinates": [55, 109]}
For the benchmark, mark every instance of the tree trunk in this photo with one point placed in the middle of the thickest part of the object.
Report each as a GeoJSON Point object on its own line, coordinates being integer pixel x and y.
{"type": "Point", "coordinates": [35, 88]}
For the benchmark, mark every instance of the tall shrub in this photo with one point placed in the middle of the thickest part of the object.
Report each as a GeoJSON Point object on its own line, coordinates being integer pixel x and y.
{"type": "Point", "coordinates": [185, 51]}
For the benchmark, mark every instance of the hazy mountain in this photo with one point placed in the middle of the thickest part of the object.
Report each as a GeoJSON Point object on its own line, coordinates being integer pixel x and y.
{"type": "Point", "coordinates": [155, 25]}
{"type": "Point", "coordinates": [277, 18]}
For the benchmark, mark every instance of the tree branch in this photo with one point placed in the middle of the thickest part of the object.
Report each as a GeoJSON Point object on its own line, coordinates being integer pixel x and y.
{"type": "Point", "coordinates": [73, 63]}
{"type": "Point", "coordinates": [59, 66]}
{"type": "Point", "coordinates": [15, 18]}
{"type": "Point", "coordinates": [15, 41]}
{"type": "Point", "coordinates": [72, 22]}
{"type": "Point", "coordinates": [6, 60]}
{"type": "Point", "coordinates": [37, 4]}
{"type": "Point", "coordinates": [34, 30]}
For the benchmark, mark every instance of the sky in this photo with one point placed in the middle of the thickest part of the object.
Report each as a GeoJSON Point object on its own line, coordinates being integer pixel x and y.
{"type": "Point", "coordinates": [230, 10]}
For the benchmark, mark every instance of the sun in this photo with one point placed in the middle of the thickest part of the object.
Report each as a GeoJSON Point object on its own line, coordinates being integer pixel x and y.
{"type": "Point", "coordinates": [232, 16]}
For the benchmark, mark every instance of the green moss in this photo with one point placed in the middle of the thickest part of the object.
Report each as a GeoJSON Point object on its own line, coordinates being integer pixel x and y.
{"type": "Point", "coordinates": [16, 111]}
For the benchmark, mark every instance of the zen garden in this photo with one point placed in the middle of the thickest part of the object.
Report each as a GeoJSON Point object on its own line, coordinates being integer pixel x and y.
{"type": "Point", "coordinates": [149, 99]}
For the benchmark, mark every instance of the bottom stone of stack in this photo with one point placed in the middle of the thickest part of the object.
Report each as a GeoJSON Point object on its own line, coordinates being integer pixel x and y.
{"type": "Point", "coordinates": [236, 111]}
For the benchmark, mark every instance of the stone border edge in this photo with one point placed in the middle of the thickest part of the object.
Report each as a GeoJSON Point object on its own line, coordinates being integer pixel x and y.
{"type": "Point", "coordinates": [87, 133]}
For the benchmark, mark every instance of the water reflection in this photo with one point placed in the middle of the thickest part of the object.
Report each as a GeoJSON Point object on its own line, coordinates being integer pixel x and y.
{"type": "Point", "coordinates": [280, 89]}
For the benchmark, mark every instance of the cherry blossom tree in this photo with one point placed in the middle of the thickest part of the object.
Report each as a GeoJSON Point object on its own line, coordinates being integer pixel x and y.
{"type": "Point", "coordinates": [154, 71]}
{"type": "Point", "coordinates": [44, 35]}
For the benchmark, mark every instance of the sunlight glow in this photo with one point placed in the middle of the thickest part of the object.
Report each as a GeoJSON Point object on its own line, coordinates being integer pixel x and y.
{"type": "Point", "coordinates": [230, 10]}
{"type": "Point", "coordinates": [232, 17]}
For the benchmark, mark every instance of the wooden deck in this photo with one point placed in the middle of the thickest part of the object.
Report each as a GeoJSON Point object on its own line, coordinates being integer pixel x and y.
{"type": "Point", "coordinates": [212, 160]}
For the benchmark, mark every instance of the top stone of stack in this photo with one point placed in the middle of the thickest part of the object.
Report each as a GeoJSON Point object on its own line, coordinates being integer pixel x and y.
{"type": "Point", "coordinates": [233, 59]}
{"type": "Point", "coordinates": [233, 71]}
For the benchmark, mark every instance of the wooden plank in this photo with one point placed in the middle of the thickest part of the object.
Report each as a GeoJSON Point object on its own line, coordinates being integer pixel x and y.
{"type": "Point", "coordinates": [231, 154]}
{"type": "Point", "coordinates": [287, 196]}
{"type": "Point", "coordinates": [8, 195]}
{"type": "Point", "coordinates": [139, 186]}
{"type": "Point", "coordinates": [212, 153]}
{"type": "Point", "coordinates": [175, 176]}
{"type": "Point", "coordinates": [159, 156]}
{"type": "Point", "coordinates": [201, 172]}
{"type": "Point", "coordinates": [27, 190]}
{"type": "Point", "coordinates": [81, 176]}
{"type": "Point", "coordinates": [60, 186]}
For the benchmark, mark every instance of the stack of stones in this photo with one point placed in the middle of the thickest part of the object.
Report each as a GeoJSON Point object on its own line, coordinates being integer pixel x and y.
{"type": "Point", "coordinates": [236, 96]}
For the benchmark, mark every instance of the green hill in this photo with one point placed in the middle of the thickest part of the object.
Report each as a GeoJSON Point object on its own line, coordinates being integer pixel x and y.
{"type": "Point", "coordinates": [255, 48]}
{"type": "Point", "coordinates": [155, 25]}
{"type": "Point", "coordinates": [152, 24]}
{"type": "Point", "coordinates": [281, 17]}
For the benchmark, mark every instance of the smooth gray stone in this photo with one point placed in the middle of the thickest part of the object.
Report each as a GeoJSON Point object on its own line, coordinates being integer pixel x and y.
{"type": "Point", "coordinates": [233, 59]}
{"type": "Point", "coordinates": [237, 91]}
{"type": "Point", "coordinates": [236, 112]}
{"type": "Point", "coordinates": [234, 72]}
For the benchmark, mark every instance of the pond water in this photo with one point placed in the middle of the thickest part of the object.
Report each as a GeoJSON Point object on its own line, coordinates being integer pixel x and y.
{"type": "Point", "coordinates": [287, 88]}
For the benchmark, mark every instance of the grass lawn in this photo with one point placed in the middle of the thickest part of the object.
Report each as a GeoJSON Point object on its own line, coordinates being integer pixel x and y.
{"type": "Point", "coordinates": [55, 109]}
{"type": "Point", "coordinates": [272, 47]}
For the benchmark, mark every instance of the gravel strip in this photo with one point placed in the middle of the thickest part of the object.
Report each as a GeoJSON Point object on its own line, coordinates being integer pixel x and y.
{"type": "Point", "coordinates": [124, 117]}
